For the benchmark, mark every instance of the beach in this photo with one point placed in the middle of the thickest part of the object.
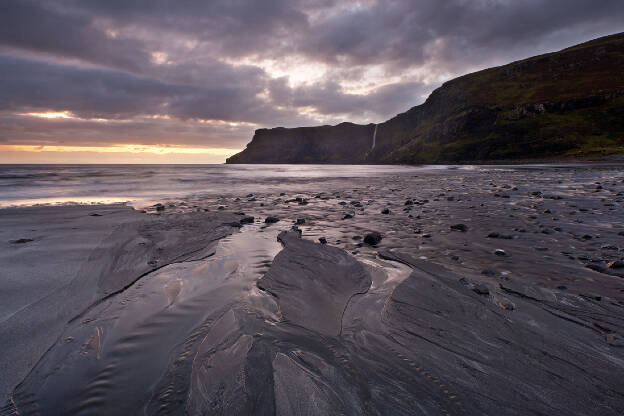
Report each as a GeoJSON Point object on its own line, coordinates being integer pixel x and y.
{"type": "Point", "coordinates": [313, 290]}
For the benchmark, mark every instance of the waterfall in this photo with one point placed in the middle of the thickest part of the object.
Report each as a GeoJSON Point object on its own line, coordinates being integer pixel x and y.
{"type": "Point", "coordinates": [374, 137]}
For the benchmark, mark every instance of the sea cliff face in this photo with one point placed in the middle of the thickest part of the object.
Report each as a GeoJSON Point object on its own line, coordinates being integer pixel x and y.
{"type": "Point", "coordinates": [344, 143]}
{"type": "Point", "coordinates": [564, 104]}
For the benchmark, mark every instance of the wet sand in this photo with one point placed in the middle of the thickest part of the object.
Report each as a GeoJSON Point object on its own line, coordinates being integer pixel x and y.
{"type": "Point", "coordinates": [493, 291]}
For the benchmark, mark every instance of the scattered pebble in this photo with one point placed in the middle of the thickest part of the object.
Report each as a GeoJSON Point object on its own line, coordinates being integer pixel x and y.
{"type": "Point", "coordinates": [373, 238]}
{"type": "Point", "coordinates": [459, 227]}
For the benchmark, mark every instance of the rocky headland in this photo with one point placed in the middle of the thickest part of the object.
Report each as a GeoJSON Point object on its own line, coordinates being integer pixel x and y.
{"type": "Point", "coordinates": [566, 104]}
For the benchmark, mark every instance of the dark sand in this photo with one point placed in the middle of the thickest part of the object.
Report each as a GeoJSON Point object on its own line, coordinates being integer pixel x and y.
{"type": "Point", "coordinates": [147, 313]}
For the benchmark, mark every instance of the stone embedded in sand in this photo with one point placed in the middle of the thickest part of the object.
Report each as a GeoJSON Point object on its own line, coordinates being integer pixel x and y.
{"type": "Point", "coordinates": [347, 216]}
{"type": "Point", "coordinates": [159, 207]}
{"type": "Point", "coordinates": [500, 252]}
{"type": "Point", "coordinates": [322, 240]}
{"type": "Point", "coordinates": [591, 295]}
{"type": "Point", "coordinates": [596, 267]}
{"type": "Point", "coordinates": [247, 220]}
{"type": "Point", "coordinates": [271, 220]}
{"type": "Point", "coordinates": [493, 235]}
{"type": "Point", "coordinates": [300, 221]}
{"type": "Point", "coordinates": [22, 241]}
{"type": "Point", "coordinates": [459, 227]}
{"type": "Point", "coordinates": [481, 289]}
{"type": "Point", "coordinates": [373, 238]}
{"type": "Point", "coordinates": [617, 264]}
{"type": "Point", "coordinates": [385, 211]}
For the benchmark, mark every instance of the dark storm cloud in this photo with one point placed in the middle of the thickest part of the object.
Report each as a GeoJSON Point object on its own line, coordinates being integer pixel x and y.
{"type": "Point", "coordinates": [455, 32]}
{"type": "Point", "coordinates": [30, 86]}
{"type": "Point", "coordinates": [39, 27]}
{"type": "Point", "coordinates": [196, 59]}
{"type": "Point", "coordinates": [328, 97]}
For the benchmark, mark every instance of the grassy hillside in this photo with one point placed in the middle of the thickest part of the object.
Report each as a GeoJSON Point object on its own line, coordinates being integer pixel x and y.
{"type": "Point", "coordinates": [563, 104]}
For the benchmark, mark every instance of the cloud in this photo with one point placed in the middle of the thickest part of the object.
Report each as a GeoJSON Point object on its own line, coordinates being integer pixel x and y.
{"type": "Point", "coordinates": [215, 70]}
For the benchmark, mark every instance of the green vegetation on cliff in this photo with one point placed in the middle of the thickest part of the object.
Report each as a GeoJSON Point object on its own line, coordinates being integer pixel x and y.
{"type": "Point", "coordinates": [564, 104]}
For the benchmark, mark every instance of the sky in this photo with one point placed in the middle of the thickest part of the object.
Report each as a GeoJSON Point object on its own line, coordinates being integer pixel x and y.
{"type": "Point", "coordinates": [188, 81]}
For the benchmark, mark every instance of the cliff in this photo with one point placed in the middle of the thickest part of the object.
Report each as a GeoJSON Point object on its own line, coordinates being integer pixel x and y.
{"type": "Point", "coordinates": [563, 104]}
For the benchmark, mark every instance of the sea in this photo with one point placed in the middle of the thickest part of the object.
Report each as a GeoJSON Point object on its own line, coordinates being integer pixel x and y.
{"type": "Point", "coordinates": [143, 185]}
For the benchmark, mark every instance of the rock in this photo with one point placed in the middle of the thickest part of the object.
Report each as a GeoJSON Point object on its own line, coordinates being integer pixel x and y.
{"type": "Point", "coordinates": [459, 227]}
{"type": "Point", "coordinates": [507, 305]}
{"type": "Point", "coordinates": [347, 216]}
{"type": "Point", "coordinates": [21, 241]}
{"type": "Point", "coordinates": [385, 211]}
{"type": "Point", "coordinates": [221, 207]}
{"type": "Point", "coordinates": [493, 235]}
{"type": "Point", "coordinates": [488, 272]}
{"type": "Point", "coordinates": [322, 240]}
{"type": "Point", "coordinates": [373, 238]}
{"type": "Point", "coordinates": [95, 215]}
{"type": "Point", "coordinates": [590, 295]}
{"type": "Point", "coordinates": [481, 289]}
{"type": "Point", "coordinates": [409, 202]}
{"type": "Point", "coordinates": [617, 264]}
{"type": "Point", "coordinates": [615, 340]}
{"type": "Point", "coordinates": [159, 207]}
{"type": "Point", "coordinates": [357, 237]}
{"type": "Point", "coordinates": [271, 220]}
{"type": "Point", "coordinates": [596, 267]}
{"type": "Point", "coordinates": [248, 219]}
{"type": "Point", "coordinates": [300, 221]}
{"type": "Point", "coordinates": [500, 252]}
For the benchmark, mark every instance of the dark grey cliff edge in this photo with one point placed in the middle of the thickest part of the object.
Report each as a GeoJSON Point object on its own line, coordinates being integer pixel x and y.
{"type": "Point", "coordinates": [567, 104]}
